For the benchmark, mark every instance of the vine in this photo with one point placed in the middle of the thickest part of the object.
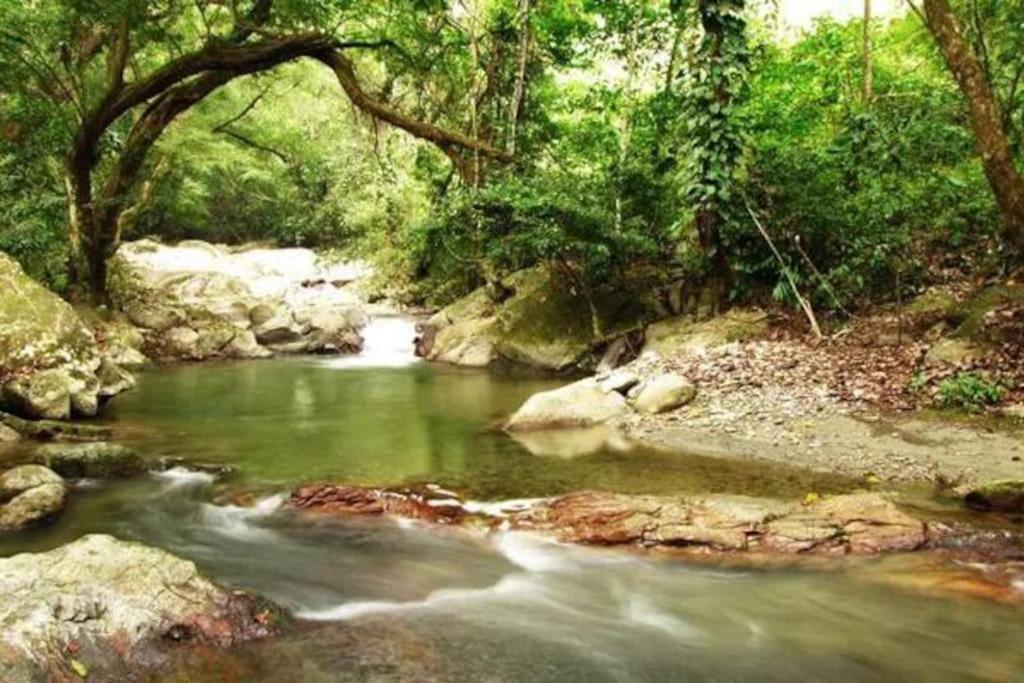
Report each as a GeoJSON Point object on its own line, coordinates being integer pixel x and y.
{"type": "Point", "coordinates": [714, 138]}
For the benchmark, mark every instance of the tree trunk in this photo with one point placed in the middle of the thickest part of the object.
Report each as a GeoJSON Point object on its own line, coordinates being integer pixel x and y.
{"type": "Point", "coordinates": [709, 219]}
{"type": "Point", "coordinates": [1002, 174]}
{"type": "Point", "coordinates": [519, 91]}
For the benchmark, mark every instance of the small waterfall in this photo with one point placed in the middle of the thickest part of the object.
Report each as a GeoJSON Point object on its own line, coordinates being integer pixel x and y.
{"type": "Point", "coordinates": [388, 342]}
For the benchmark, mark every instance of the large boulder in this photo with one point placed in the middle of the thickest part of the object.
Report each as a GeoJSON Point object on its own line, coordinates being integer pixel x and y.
{"type": "Point", "coordinates": [49, 359]}
{"type": "Point", "coordinates": [195, 300]}
{"type": "Point", "coordinates": [30, 495]}
{"type": "Point", "coordinates": [120, 605]}
{"type": "Point", "coordinates": [580, 404]}
{"type": "Point", "coordinates": [543, 321]}
{"type": "Point", "coordinates": [99, 460]}
{"type": "Point", "coordinates": [690, 334]}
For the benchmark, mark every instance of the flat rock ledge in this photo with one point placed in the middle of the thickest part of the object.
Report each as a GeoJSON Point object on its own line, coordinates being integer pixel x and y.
{"type": "Point", "coordinates": [108, 608]}
{"type": "Point", "coordinates": [861, 523]}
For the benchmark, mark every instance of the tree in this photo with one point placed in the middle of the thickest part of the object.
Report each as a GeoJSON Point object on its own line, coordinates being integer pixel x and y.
{"type": "Point", "coordinates": [718, 74]}
{"type": "Point", "coordinates": [169, 89]}
{"type": "Point", "coordinates": [986, 120]}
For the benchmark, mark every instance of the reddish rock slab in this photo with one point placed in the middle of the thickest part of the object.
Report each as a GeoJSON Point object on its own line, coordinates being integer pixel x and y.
{"type": "Point", "coordinates": [422, 504]}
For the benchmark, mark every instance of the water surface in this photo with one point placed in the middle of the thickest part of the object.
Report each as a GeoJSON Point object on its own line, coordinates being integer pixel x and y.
{"type": "Point", "coordinates": [381, 600]}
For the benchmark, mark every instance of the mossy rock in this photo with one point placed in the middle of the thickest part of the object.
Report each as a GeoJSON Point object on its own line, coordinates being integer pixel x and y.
{"type": "Point", "coordinates": [99, 460]}
{"type": "Point", "coordinates": [970, 314]}
{"type": "Point", "coordinates": [548, 324]}
{"type": "Point", "coordinates": [998, 496]}
{"type": "Point", "coordinates": [686, 334]}
{"type": "Point", "coordinates": [55, 430]}
{"type": "Point", "coordinates": [38, 329]}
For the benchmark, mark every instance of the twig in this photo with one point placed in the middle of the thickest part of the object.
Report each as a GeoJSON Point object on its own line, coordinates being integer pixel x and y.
{"type": "Point", "coordinates": [804, 303]}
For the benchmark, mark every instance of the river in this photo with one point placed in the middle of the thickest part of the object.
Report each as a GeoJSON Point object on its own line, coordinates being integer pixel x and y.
{"type": "Point", "coordinates": [381, 600]}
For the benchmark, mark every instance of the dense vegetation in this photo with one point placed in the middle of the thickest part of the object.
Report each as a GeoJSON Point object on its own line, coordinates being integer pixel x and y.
{"type": "Point", "coordinates": [456, 142]}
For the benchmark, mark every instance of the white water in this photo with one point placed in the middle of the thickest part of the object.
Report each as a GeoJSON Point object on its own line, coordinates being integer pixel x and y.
{"type": "Point", "coordinates": [388, 342]}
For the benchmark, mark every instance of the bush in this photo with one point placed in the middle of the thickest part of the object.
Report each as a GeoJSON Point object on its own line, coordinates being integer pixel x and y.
{"type": "Point", "coordinates": [968, 391]}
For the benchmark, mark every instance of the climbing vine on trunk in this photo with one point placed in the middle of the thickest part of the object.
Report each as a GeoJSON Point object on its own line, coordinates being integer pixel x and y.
{"type": "Point", "coordinates": [716, 79]}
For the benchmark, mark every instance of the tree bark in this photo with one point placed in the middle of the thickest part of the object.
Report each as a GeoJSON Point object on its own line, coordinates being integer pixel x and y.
{"type": "Point", "coordinates": [519, 91]}
{"type": "Point", "coordinates": [709, 220]}
{"type": "Point", "coordinates": [986, 120]}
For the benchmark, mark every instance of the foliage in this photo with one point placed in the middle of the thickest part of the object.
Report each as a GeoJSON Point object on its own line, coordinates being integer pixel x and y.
{"type": "Point", "coordinates": [637, 119]}
{"type": "Point", "coordinates": [968, 391]}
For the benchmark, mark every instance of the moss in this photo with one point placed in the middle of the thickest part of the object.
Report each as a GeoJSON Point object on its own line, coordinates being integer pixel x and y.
{"type": "Point", "coordinates": [998, 496]}
{"type": "Point", "coordinates": [685, 333]}
{"type": "Point", "coordinates": [549, 325]}
{"type": "Point", "coordinates": [970, 315]}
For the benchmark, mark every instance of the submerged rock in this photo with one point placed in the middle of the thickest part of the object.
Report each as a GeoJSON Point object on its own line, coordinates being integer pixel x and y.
{"type": "Point", "coordinates": [30, 495]}
{"type": "Point", "coordinates": [99, 460]}
{"type": "Point", "coordinates": [195, 300]}
{"type": "Point", "coordinates": [55, 430]}
{"type": "Point", "coordinates": [580, 404]}
{"type": "Point", "coordinates": [117, 605]}
{"type": "Point", "coordinates": [664, 393]}
{"type": "Point", "coordinates": [998, 496]}
{"type": "Point", "coordinates": [48, 356]}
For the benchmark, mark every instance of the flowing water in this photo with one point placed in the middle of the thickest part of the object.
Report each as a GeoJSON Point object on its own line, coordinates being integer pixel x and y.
{"type": "Point", "coordinates": [379, 600]}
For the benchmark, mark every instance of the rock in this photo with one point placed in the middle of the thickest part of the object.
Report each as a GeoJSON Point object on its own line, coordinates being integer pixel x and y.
{"type": "Point", "coordinates": [952, 351]}
{"type": "Point", "coordinates": [113, 379]}
{"type": "Point", "coordinates": [1013, 412]}
{"type": "Point", "coordinates": [35, 506]}
{"type": "Point", "coordinates": [244, 345]}
{"type": "Point", "coordinates": [123, 606]}
{"type": "Point", "coordinates": [581, 404]}
{"type": "Point", "coordinates": [55, 430]}
{"type": "Point", "coordinates": [45, 394]}
{"type": "Point", "coordinates": [100, 460]}
{"type": "Point", "coordinates": [997, 496]}
{"type": "Point", "coordinates": [48, 355]}
{"type": "Point", "coordinates": [121, 343]}
{"type": "Point", "coordinates": [8, 435]}
{"type": "Point", "coordinates": [30, 495]}
{"type": "Point", "coordinates": [19, 479]}
{"type": "Point", "coordinates": [620, 382]}
{"type": "Point", "coordinates": [856, 523]}
{"type": "Point", "coordinates": [664, 393]}
{"type": "Point", "coordinates": [422, 503]}
{"type": "Point", "coordinates": [687, 334]}
{"type": "Point", "coordinates": [541, 320]}
{"type": "Point", "coordinates": [196, 300]}
{"type": "Point", "coordinates": [862, 523]}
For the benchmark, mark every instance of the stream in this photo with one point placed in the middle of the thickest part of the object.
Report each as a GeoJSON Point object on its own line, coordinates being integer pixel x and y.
{"type": "Point", "coordinates": [374, 599]}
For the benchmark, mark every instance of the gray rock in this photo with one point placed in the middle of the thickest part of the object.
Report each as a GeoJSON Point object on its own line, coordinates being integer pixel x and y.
{"type": "Point", "coordinates": [620, 382]}
{"type": "Point", "coordinates": [664, 393]}
{"type": "Point", "coordinates": [122, 604]}
{"type": "Point", "coordinates": [35, 506]}
{"type": "Point", "coordinates": [114, 379]}
{"type": "Point", "coordinates": [19, 479]}
{"type": "Point", "coordinates": [48, 352]}
{"type": "Point", "coordinates": [8, 435]}
{"type": "Point", "coordinates": [194, 299]}
{"type": "Point", "coordinates": [581, 404]}
{"type": "Point", "coordinates": [100, 460]}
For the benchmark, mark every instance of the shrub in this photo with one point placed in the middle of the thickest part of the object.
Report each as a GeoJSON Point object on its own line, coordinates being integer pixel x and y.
{"type": "Point", "coordinates": [968, 391]}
